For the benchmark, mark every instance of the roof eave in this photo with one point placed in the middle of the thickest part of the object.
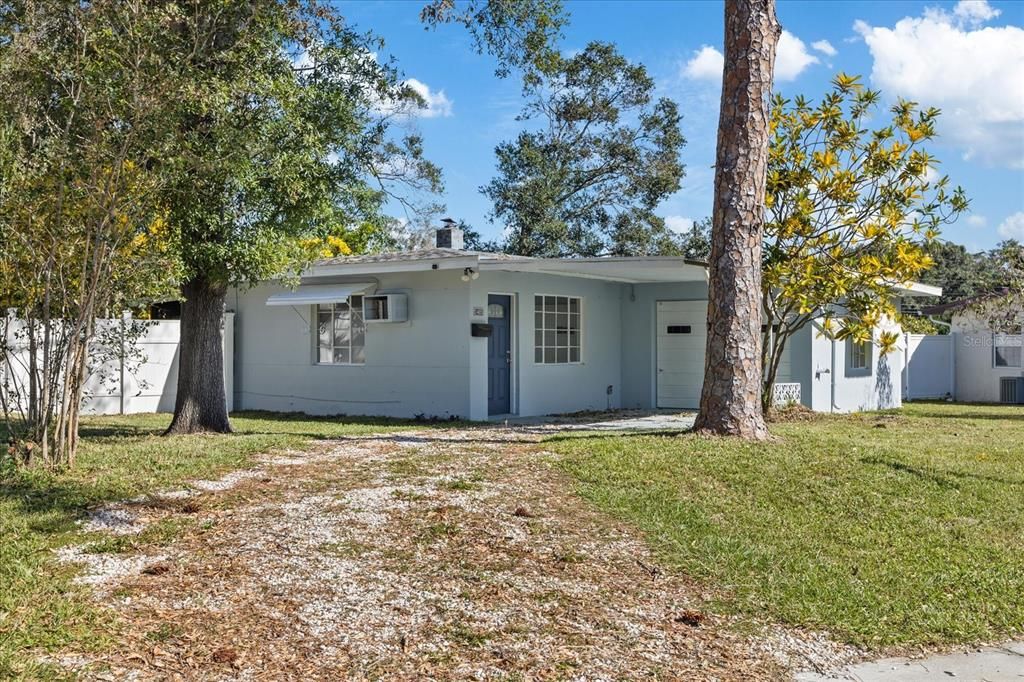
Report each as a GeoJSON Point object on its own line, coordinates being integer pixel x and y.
{"type": "Point", "coordinates": [679, 269]}
{"type": "Point", "coordinates": [419, 265]}
{"type": "Point", "coordinates": [918, 289]}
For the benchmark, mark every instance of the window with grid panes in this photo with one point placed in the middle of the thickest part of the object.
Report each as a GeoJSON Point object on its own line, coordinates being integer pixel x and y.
{"type": "Point", "coordinates": [341, 332]}
{"type": "Point", "coordinates": [859, 355]}
{"type": "Point", "coordinates": [557, 329]}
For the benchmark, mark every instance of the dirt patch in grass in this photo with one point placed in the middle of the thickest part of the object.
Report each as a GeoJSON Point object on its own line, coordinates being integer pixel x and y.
{"type": "Point", "coordinates": [792, 413]}
{"type": "Point", "coordinates": [451, 555]}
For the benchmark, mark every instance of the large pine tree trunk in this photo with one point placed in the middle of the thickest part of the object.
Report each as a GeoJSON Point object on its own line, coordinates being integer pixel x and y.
{"type": "Point", "coordinates": [200, 404]}
{"type": "Point", "coordinates": [730, 401]}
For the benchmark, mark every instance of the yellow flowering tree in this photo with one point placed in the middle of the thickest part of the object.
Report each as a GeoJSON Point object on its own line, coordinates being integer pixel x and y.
{"type": "Point", "coordinates": [81, 233]}
{"type": "Point", "coordinates": [849, 212]}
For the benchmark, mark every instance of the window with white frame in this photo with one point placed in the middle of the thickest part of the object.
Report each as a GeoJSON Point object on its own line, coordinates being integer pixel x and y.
{"type": "Point", "coordinates": [557, 325]}
{"type": "Point", "coordinates": [1006, 350]}
{"type": "Point", "coordinates": [341, 332]}
{"type": "Point", "coordinates": [858, 355]}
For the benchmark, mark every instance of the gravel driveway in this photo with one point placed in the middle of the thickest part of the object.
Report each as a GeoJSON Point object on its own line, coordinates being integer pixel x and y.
{"type": "Point", "coordinates": [459, 554]}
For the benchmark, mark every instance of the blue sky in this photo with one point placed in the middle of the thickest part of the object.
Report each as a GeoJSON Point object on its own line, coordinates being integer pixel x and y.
{"type": "Point", "coordinates": [966, 58]}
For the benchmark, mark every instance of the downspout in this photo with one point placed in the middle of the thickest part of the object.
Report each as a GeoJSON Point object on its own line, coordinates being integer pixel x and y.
{"type": "Point", "coordinates": [832, 378]}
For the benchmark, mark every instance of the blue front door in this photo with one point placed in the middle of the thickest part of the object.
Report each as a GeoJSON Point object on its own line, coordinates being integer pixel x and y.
{"type": "Point", "coordinates": [499, 355]}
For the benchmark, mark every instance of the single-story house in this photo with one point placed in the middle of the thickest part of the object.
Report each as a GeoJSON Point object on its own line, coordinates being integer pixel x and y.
{"type": "Point", "coordinates": [445, 331]}
{"type": "Point", "coordinates": [986, 361]}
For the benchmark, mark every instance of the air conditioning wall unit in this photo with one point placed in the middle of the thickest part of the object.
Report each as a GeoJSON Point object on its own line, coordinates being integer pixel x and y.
{"type": "Point", "coordinates": [1011, 390]}
{"type": "Point", "coordinates": [385, 308]}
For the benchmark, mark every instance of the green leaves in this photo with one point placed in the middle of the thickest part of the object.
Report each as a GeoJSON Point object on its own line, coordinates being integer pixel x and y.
{"type": "Point", "coordinates": [520, 34]}
{"type": "Point", "coordinates": [280, 122]}
{"type": "Point", "coordinates": [587, 180]}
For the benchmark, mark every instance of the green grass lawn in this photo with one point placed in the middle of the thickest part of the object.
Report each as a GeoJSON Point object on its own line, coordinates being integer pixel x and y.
{"type": "Point", "coordinates": [119, 457]}
{"type": "Point", "coordinates": [902, 528]}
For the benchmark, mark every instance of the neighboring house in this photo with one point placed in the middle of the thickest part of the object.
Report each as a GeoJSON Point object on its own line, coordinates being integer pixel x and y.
{"type": "Point", "coordinates": [986, 365]}
{"type": "Point", "coordinates": [449, 332]}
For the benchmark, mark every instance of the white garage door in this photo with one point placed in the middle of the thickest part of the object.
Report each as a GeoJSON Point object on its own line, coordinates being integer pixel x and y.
{"type": "Point", "coordinates": [682, 335]}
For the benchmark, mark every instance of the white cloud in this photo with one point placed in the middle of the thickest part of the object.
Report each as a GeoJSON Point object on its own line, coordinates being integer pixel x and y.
{"type": "Point", "coordinates": [1013, 227]}
{"type": "Point", "coordinates": [791, 57]}
{"type": "Point", "coordinates": [974, 74]}
{"type": "Point", "coordinates": [706, 64]}
{"type": "Point", "coordinates": [678, 223]}
{"type": "Point", "coordinates": [437, 103]}
{"type": "Point", "coordinates": [824, 47]}
{"type": "Point", "coordinates": [977, 220]}
{"type": "Point", "coordinates": [975, 12]}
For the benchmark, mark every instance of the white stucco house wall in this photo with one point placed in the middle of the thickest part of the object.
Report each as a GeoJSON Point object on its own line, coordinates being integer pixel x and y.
{"type": "Point", "coordinates": [447, 332]}
{"type": "Point", "coordinates": [987, 359]}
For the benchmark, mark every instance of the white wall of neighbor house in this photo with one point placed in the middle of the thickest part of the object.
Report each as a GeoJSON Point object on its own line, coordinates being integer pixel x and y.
{"type": "Point", "coordinates": [539, 389]}
{"type": "Point", "coordinates": [876, 387]}
{"type": "Point", "coordinates": [420, 366]}
{"type": "Point", "coordinates": [150, 378]}
{"type": "Point", "coordinates": [977, 376]}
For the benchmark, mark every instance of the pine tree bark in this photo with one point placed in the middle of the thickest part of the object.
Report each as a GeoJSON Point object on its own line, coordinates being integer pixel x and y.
{"type": "Point", "coordinates": [730, 402]}
{"type": "Point", "coordinates": [200, 404]}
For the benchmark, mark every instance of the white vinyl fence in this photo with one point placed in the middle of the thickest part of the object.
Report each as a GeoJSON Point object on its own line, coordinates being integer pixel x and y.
{"type": "Point", "coordinates": [930, 367]}
{"type": "Point", "coordinates": [135, 377]}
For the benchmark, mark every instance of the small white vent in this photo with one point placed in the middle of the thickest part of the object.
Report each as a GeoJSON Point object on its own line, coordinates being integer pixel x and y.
{"type": "Point", "coordinates": [784, 394]}
{"type": "Point", "coordinates": [1009, 390]}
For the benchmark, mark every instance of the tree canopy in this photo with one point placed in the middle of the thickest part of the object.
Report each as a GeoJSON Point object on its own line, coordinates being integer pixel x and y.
{"type": "Point", "coordinates": [282, 135]}
{"type": "Point", "coordinates": [283, 152]}
{"type": "Point", "coordinates": [520, 34]}
{"type": "Point", "coordinates": [851, 211]}
{"type": "Point", "coordinates": [82, 230]}
{"type": "Point", "coordinates": [602, 154]}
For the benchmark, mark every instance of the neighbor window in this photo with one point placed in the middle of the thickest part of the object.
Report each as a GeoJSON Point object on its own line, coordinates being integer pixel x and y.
{"type": "Point", "coordinates": [1006, 350]}
{"type": "Point", "coordinates": [341, 332]}
{"type": "Point", "coordinates": [859, 353]}
{"type": "Point", "coordinates": [557, 329]}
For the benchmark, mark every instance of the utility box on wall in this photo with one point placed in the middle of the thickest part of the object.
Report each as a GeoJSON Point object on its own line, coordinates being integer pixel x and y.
{"type": "Point", "coordinates": [385, 308]}
{"type": "Point", "coordinates": [1011, 390]}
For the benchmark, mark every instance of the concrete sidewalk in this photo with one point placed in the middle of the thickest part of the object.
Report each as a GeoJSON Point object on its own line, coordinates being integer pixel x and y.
{"type": "Point", "coordinates": [612, 421]}
{"type": "Point", "coordinates": [992, 664]}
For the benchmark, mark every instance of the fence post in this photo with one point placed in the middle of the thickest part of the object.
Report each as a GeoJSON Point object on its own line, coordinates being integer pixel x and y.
{"type": "Point", "coordinates": [952, 364]}
{"type": "Point", "coordinates": [7, 349]}
{"type": "Point", "coordinates": [906, 366]}
{"type": "Point", "coordinates": [126, 316]}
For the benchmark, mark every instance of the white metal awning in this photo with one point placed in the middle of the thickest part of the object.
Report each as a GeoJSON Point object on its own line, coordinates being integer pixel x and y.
{"type": "Point", "coordinates": [311, 294]}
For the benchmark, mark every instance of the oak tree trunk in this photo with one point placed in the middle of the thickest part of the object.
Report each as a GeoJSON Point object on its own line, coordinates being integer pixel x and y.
{"type": "Point", "coordinates": [200, 404]}
{"type": "Point", "coordinates": [730, 401]}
